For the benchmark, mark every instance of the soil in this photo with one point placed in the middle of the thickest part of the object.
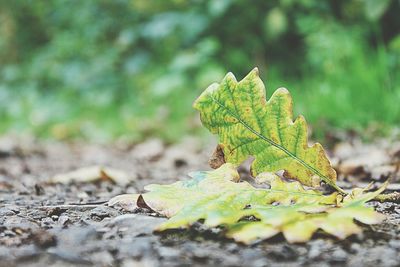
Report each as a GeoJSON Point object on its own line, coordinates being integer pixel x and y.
{"type": "Point", "coordinates": [47, 224]}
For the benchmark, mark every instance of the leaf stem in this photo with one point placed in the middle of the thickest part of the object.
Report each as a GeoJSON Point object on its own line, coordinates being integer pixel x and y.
{"type": "Point", "coordinates": [337, 188]}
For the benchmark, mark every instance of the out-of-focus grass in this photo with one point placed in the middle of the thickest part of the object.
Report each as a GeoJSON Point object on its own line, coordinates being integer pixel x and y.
{"type": "Point", "coordinates": [356, 95]}
{"type": "Point", "coordinates": [362, 94]}
{"type": "Point", "coordinates": [103, 70]}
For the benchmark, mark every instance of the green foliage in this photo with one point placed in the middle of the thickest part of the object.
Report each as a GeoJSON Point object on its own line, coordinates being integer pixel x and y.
{"type": "Point", "coordinates": [102, 69]}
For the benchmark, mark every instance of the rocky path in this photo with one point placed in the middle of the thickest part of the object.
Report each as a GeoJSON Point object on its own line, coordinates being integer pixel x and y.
{"type": "Point", "coordinates": [54, 224]}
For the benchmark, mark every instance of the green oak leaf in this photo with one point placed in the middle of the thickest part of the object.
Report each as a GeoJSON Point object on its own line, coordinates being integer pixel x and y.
{"type": "Point", "coordinates": [218, 198]}
{"type": "Point", "coordinates": [248, 125]}
{"type": "Point", "coordinates": [299, 222]}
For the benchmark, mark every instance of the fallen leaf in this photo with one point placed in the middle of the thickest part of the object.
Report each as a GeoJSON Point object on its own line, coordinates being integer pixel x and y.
{"type": "Point", "coordinates": [92, 174]}
{"type": "Point", "coordinates": [127, 202]}
{"type": "Point", "coordinates": [360, 161]}
{"type": "Point", "coordinates": [218, 198]}
{"type": "Point", "coordinates": [217, 159]}
{"type": "Point", "coordinates": [150, 150]}
{"type": "Point", "coordinates": [248, 125]}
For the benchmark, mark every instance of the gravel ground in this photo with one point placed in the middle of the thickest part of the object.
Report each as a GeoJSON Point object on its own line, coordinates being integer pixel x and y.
{"type": "Point", "coordinates": [43, 224]}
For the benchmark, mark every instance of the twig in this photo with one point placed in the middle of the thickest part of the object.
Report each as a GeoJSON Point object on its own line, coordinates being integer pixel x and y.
{"type": "Point", "coordinates": [72, 206]}
{"type": "Point", "coordinates": [390, 197]}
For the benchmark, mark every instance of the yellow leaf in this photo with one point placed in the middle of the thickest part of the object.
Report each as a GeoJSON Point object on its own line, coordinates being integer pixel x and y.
{"type": "Point", "coordinates": [218, 198]}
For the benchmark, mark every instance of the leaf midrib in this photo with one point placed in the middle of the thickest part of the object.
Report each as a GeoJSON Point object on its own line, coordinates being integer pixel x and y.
{"type": "Point", "coordinates": [271, 142]}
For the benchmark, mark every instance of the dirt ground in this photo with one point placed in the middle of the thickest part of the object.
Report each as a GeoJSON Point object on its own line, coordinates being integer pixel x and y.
{"type": "Point", "coordinates": [46, 224]}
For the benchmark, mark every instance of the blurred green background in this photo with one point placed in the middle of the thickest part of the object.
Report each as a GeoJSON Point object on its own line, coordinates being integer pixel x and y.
{"type": "Point", "coordinates": [131, 69]}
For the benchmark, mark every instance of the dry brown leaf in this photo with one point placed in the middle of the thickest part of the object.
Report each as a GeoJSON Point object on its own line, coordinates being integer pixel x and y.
{"type": "Point", "coordinates": [92, 174]}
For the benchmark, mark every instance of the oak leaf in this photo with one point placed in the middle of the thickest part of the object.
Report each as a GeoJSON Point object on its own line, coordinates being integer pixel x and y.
{"type": "Point", "coordinates": [248, 125]}
{"type": "Point", "coordinates": [218, 198]}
